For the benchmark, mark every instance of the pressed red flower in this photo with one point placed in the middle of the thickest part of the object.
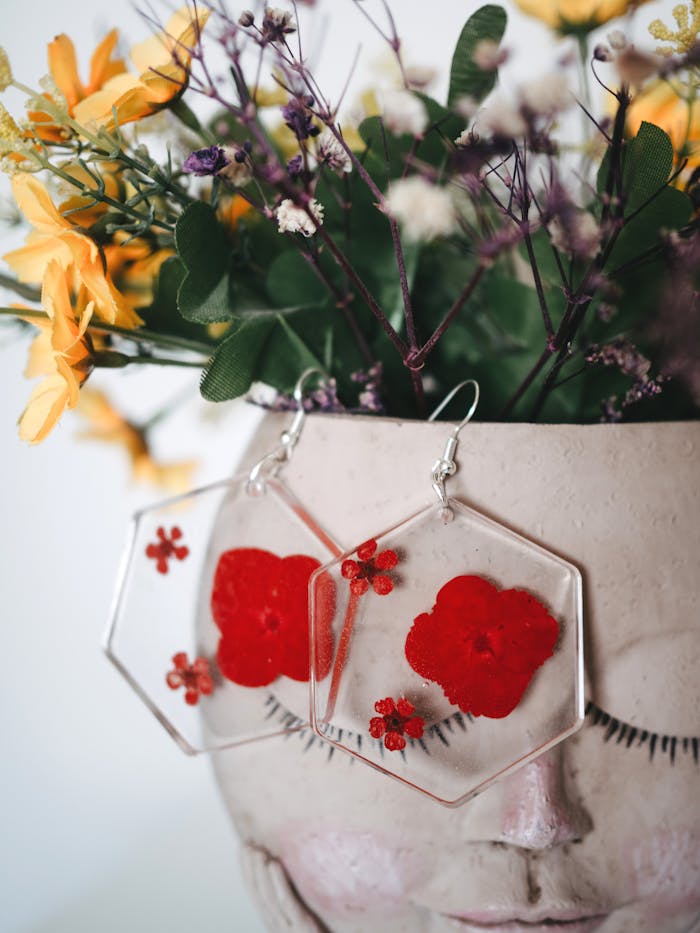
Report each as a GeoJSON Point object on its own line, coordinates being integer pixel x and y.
{"type": "Point", "coordinates": [395, 720]}
{"type": "Point", "coordinates": [260, 602]}
{"type": "Point", "coordinates": [367, 569]}
{"type": "Point", "coordinates": [166, 548]}
{"type": "Point", "coordinates": [481, 644]}
{"type": "Point", "coordinates": [195, 677]}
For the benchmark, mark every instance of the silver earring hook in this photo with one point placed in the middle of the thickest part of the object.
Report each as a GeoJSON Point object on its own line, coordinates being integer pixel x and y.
{"type": "Point", "coordinates": [446, 465]}
{"type": "Point", "coordinates": [271, 463]}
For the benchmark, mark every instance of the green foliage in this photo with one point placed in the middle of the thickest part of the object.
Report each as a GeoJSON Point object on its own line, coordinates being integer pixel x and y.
{"type": "Point", "coordinates": [205, 292]}
{"type": "Point", "coordinates": [466, 78]}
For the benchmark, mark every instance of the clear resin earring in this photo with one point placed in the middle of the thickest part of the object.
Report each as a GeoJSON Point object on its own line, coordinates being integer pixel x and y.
{"type": "Point", "coordinates": [210, 618]}
{"type": "Point", "coordinates": [457, 647]}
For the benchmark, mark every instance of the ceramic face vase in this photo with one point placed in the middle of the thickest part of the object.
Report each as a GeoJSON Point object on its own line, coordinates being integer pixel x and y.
{"type": "Point", "coordinates": [602, 832]}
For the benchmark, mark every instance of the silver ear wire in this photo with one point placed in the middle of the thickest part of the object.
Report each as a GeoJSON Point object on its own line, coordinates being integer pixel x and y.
{"type": "Point", "coordinates": [446, 465]}
{"type": "Point", "coordinates": [271, 463]}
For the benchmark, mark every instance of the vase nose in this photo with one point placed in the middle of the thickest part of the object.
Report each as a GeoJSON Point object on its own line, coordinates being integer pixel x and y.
{"type": "Point", "coordinates": [537, 808]}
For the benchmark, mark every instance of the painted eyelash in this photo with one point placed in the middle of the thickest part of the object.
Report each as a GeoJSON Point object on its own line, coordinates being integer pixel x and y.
{"type": "Point", "coordinates": [626, 734]}
{"type": "Point", "coordinates": [439, 731]}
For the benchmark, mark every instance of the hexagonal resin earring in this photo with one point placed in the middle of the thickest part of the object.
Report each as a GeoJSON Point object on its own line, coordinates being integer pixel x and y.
{"type": "Point", "coordinates": [457, 647]}
{"type": "Point", "coordinates": [237, 554]}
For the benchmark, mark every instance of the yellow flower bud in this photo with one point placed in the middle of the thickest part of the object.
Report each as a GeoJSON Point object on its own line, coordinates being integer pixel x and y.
{"type": "Point", "coordinates": [576, 16]}
{"type": "Point", "coordinates": [5, 70]}
{"type": "Point", "coordinates": [10, 134]}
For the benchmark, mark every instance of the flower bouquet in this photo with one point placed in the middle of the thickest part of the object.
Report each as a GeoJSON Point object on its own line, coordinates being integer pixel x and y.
{"type": "Point", "coordinates": [397, 245]}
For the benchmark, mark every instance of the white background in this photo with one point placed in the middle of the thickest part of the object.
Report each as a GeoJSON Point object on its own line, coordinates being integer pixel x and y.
{"type": "Point", "coordinates": [106, 825]}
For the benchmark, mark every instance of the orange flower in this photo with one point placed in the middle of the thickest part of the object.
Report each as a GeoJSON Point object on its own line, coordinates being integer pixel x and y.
{"type": "Point", "coordinates": [163, 62]}
{"type": "Point", "coordinates": [64, 71]}
{"type": "Point", "coordinates": [54, 238]}
{"type": "Point", "coordinates": [660, 104]}
{"type": "Point", "coordinates": [231, 210]}
{"type": "Point", "coordinates": [134, 265]}
{"type": "Point", "coordinates": [62, 353]}
{"type": "Point", "coordinates": [107, 424]}
{"type": "Point", "coordinates": [576, 16]}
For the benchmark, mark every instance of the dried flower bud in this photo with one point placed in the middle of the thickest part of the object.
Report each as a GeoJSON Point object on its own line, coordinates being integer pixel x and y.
{"type": "Point", "coordinates": [424, 210]}
{"type": "Point", "coordinates": [5, 70]}
{"type": "Point", "coordinates": [246, 19]}
{"type": "Point", "coordinates": [293, 219]}
{"type": "Point", "coordinates": [601, 53]}
{"type": "Point", "coordinates": [330, 152]}
{"type": "Point", "coordinates": [404, 113]}
{"type": "Point", "coordinates": [276, 24]}
{"type": "Point", "coordinates": [546, 96]}
{"type": "Point", "coordinates": [209, 161]}
{"type": "Point", "coordinates": [634, 67]}
{"type": "Point", "coordinates": [11, 137]}
{"type": "Point", "coordinates": [237, 171]}
{"type": "Point", "coordinates": [488, 55]}
{"type": "Point", "coordinates": [617, 40]}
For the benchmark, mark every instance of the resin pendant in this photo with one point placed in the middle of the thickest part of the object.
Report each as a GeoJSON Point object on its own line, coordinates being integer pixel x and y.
{"type": "Point", "coordinates": [210, 619]}
{"type": "Point", "coordinates": [457, 652]}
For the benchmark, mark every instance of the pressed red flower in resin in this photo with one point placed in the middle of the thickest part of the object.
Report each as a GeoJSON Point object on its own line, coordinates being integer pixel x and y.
{"type": "Point", "coordinates": [260, 602]}
{"type": "Point", "coordinates": [394, 721]}
{"type": "Point", "coordinates": [481, 644]}
{"type": "Point", "coordinates": [367, 569]}
{"type": "Point", "coordinates": [166, 548]}
{"type": "Point", "coordinates": [195, 677]}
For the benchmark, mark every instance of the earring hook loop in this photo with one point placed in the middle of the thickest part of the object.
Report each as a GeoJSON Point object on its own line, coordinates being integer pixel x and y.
{"type": "Point", "coordinates": [446, 465]}
{"type": "Point", "coordinates": [269, 465]}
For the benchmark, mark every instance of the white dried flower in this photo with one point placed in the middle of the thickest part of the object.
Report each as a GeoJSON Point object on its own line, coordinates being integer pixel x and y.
{"type": "Point", "coordinates": [236, 173]}
{"type": "Point", "coordinates": [420, 77]}
{"type": "Point", "coordinates": [546, 96]}
{"type": "Point", "coordinates": [330, 152]}
{"type": "Point", "coordinates": [403, 112]}
{"type": "Point", "coordinates": [501, 118]}
{"type": "Point", "coordinates": [580, 236]}
{"type": "Point", "coordinates": [634, 67]}
{"type": "Point", "coordinates": [5, 70]}
{"type": "Point", "coordinates": [617, 40]}
{"type": "Point", "coordinates": [464, 138]}
{"type": "Point", "coordinates": [466, 107]}
{"type": "Point", "coordinates": [293, 219]}
{"type": "Point", "coordinates": [424, 210]}
{"type": "Point", "coordinates": [488, 55]}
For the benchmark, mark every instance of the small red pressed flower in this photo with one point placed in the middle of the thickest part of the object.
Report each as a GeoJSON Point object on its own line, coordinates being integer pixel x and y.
{"type": "Point", "coordinates": [366, 569]}
{"type": "Point", "coordinates": [195, 677]}
{"type": "Point", "coordinates": [481, 644]}
{"type": "Point", "coordinates": [260, 602]}
{"type": "Point", "coordinates": [165, 548]}
{"type": "Point", "coordinates": [395, 720]}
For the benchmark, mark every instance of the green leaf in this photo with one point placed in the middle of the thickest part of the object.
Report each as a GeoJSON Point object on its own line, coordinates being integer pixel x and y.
{"type": "Point", "coordinates": [233, 366]}
{"type": "Point", "coordinates": [204, 295]}
{"type": "Point", "coordinates": [291, 281]}
{"type": "Point", "coordinates": [466, 78]}
{"type": "Point", "coordinates": [285, 356]}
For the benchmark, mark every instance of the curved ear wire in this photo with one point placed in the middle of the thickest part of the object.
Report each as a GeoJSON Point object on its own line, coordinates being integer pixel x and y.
{"type": "Point", "coordinates": [271, 463]}
{"type": "Point", "coordinates": [446, 465]}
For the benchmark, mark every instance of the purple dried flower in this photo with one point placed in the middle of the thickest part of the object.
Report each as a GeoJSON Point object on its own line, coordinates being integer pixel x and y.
{"type": "Point", "coordinates": [294, 166]}
{"type": "Point", "coordinates": [276, 24]}
{"type": "Point", "coordinates": [622, 354]}
{"type": "Point", "coordinates": [299, 118]}
{"type": "Point", "coordinates": [207, 161]}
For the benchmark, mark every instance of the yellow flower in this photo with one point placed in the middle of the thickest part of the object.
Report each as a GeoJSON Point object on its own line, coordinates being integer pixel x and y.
{"type": "Point", "coordinates": [107, 424]}
{"type": "Point", "coordinates": [62, 353]}
{"type": "Point", "coordinates": [134, 266]}
{"type": "Point", "coordinates": [684, 38]}
{"type": "Point", "coordinates": [54, 238]}
{"type": "Point", "coordinates": [63, 67]}
{"type": "Point", "coordinates": [163, 62]}
{"type": "Point", "coordinates": [660, 104]}
{"type": "Point", "coordinates": [576, 16]}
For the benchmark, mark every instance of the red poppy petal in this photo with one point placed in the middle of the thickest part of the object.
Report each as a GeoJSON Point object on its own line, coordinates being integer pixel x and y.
{"type": "Point", "coordinates": [394, 742]}
{"type": "Point", "coordinates": [382, 585]}
{"type": "Point", "coordinates": [377, 727]}
{"type": "Point", "coordinates": [205, 684]}
{"type": "Point", "coordinates": [385, 707]}
{"type": "Point", "coordinates": [200, 666]}
{"type": "Point", "coordinates": [386, 560]}
{"type": "Point", "coordinates": [173, 680]}
{"type": "Point", "coordinates": [359, 586]}
{"type": "Point", "coordinates": [349, 569]}
{"type": "Point", "coordinates": [366, 550]}
{"type": "Point", "coordinates": [191, 697]}
{"type": "Point", "coordinates": [248, 663]}
{"type": "Point", "coordinates": [181, 551]}
{"type": "Point", "coordinates": [404, 707]}
{"type": "Point", "coordinates": [241, 580]}
{"type": "Point", "coordinates": [175, 533]}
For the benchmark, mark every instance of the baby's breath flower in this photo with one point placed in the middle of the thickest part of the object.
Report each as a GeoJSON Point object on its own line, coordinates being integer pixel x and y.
{"type": "Point", "coordinates": [577, 234]}
{"type": "Point", "coordinates": [424, 210]}
{"type": "Point", "coordinates": [238, 171]}
{"type": "Point", "coordinates": [246, 19]}
{"type": "Point", "coordinates": [488, 55]}
{"type": "Point", "coordinates": [329, 152]}
{"type": "Point", "coordinates": [403, 112]}
{"type": "Point", "coordinates": [546, 96]}
{"type": "Point", "coordinates": [276, 24]}
{"type": "Point", "coordinates": [5, 70]}
{"type": "Point", "coordinates": [293, 219]}
{"type": "Point", "coordinates": [502, 118]}
{"type": "Point", "coordinates": [684, 38]}
{"type": "Point", "coordinates": [617, 40]}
